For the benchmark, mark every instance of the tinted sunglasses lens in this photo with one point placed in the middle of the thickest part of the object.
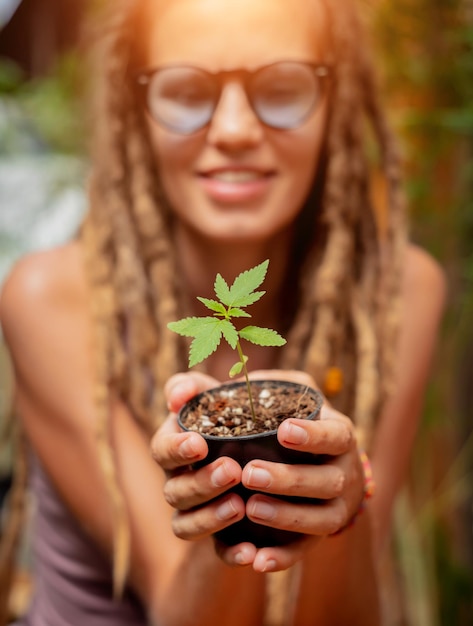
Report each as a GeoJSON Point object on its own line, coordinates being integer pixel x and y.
{"type": "Point", "coordinates": [181, 98]}
{"type": "Point", "coordinates": [284, 94]}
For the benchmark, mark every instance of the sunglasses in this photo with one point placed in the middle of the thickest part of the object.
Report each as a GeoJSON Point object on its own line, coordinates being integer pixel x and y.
{"type": "Point", "coordinates": [183, 99]}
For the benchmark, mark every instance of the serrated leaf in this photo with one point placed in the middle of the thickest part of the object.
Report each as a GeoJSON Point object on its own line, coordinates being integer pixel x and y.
{"type": "Point", "coordinates": [262, 336]}
{"type": "Point", "coordinates": [205, 343]}
{"type": "Point", "coordinates": [235, 369]}
{"type": "Point", "coordinates": [229, 332]}
{"type": "Point", "coordinates": [238, 313]}
{"type": "Point", "coordinates": [213, 305]}
{"type": "Point", "coordinates": [207, 332]}
{"type": "Point", "coordinates": [192, 326]}
{"type": "Point", "coordinates": [250, 298]}
{"type": "Point", "coordinates": [246, 282]}
{"type": "Point", "coordinates": [222, 290]}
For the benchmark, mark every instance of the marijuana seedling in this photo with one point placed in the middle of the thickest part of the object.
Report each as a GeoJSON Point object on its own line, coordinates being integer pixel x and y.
{"type": "Point", "coordinates": [207, 332]}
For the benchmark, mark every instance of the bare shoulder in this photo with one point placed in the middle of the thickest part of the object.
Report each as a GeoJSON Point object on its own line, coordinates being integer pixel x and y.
{"type": "Point", "coordinates": [42, 288]}
{"type": "Point", "coordinates": [423, 304]}
{"type": "Point", "coordinates": [422, 270]}
{"type": "Point", "coordinates": [424, 279]}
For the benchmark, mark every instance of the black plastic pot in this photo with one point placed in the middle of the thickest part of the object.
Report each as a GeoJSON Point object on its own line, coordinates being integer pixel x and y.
{"type": "Point", "coordinates": [244, 448]}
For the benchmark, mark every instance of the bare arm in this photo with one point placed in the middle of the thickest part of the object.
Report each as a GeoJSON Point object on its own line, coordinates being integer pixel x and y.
{"type": "Point", "coordinates": [43, 311]}
{"type": "Point", "coordinates": [423, 304]}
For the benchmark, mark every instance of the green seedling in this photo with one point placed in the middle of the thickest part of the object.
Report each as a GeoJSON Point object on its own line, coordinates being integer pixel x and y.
{"type": "Point", "coordinates": [207, 332]}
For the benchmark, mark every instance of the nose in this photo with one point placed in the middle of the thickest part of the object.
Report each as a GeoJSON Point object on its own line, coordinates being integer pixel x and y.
{"type": "Point", "coordinates": [234, 125]}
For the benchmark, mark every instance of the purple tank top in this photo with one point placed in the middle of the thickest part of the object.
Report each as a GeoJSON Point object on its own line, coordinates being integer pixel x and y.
{"type": "Point", "coordinates": [72, 579]}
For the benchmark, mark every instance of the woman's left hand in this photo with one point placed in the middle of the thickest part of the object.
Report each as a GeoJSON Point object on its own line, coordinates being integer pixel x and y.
{"type": "Point", "coordinates": [339, 482]}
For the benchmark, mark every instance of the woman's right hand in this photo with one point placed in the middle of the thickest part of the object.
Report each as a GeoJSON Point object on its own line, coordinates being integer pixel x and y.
{"type": "Point", "coordinates": [187, 490]}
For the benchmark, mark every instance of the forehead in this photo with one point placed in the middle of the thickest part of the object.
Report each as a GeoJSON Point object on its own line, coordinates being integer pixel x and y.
{"type": "Point", "coordinates": [219, 34]}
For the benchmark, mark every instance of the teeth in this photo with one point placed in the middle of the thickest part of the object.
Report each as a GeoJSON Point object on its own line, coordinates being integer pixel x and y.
{"type": "Point", "coordinates": [236, 177]}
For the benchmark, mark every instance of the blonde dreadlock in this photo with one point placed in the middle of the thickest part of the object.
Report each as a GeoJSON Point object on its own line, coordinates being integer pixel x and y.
{"type": "Point", "coordinates": [349, 311]}
{"type": "Point", "coordinates": [130, 266]}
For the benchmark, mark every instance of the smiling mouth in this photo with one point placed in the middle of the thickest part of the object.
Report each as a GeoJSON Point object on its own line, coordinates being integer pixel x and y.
{"type": "Point", "coordinates": [236, 176]}
{"type": "Point", "coordinates": [239, 186]}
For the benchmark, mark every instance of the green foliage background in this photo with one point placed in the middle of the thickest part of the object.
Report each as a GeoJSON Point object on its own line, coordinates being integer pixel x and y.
{"type": "Point", "coordinates": [426, 57]}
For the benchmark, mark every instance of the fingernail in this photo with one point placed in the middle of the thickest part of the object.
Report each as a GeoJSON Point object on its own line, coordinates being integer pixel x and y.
{"type": "Point", "coordinates": [258, 477]}
{"type": "Point", "coordinates": [263, 510]}
{"type": "Point", "coordinates": [295, 434]}
{"type": "Point", "coordinates": [187, 449]}
{"type": "Point", "coordinates": [220, 477]}
{"type": "Point", "coordinates": [240, 559]}
{"type": "Point", "coordinates": [270, 566]}
{"type": "Point", "coordinates": [226, 510]}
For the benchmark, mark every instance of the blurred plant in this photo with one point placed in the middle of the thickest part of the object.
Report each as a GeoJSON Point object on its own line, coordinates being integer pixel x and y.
{"type": "Point", "coordinates": [427, 60]}
{"type": "Point", "coordinates": [52, 105]}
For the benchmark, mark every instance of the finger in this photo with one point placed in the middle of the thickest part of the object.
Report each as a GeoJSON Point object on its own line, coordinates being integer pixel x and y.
{"type": "Point", "coordinates": [325, 481]}
{"type": "Point", "coordinates": [204, 521]}
{"type": "Point", "coordinates": [191, 489]}
{"type": "Point", "coordinates": [172, 448]}
{"type": "Point", "coordinates": [274, 559]}
{"type": "Point", "coordinates": [182, 387]}
{"type": "Point", "coordinates": [309, 519]}
{"type": "Point", "coordinates": [240, 555]}
{"type": "Point", "coordinates": [330, 435]}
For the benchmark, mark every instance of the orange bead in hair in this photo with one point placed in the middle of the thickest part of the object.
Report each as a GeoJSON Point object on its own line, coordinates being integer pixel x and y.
{"type": "Point", "coordinates": [333, 383]}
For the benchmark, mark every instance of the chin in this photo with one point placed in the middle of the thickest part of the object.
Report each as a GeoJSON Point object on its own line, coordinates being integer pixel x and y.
{"type": "Point", "coordinates": [243, 230]}
{"type": "Point", "coordinates": [243, 237]}
{"type": "Point", "coordinates": [242, 225]}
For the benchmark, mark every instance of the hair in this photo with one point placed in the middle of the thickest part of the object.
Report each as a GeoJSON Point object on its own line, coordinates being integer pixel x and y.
{"type": "Point", "coordinates": [348, 271]}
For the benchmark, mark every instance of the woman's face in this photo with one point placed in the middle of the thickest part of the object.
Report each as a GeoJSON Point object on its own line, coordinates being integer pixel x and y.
{"type": "Point", "coordinates": [237, 179]}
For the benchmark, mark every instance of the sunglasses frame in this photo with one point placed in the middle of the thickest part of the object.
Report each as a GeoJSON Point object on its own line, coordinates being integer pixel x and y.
{"type": "Point", "coordinates": [321, 71]}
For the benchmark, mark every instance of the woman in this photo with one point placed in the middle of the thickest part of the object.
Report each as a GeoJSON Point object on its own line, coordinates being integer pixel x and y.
{"type": "Point", "coordinates": [226, 133]}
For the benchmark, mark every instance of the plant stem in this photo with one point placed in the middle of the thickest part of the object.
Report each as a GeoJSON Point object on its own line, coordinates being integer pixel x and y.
{"type": "Point", "coordinates": [248, 386]}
